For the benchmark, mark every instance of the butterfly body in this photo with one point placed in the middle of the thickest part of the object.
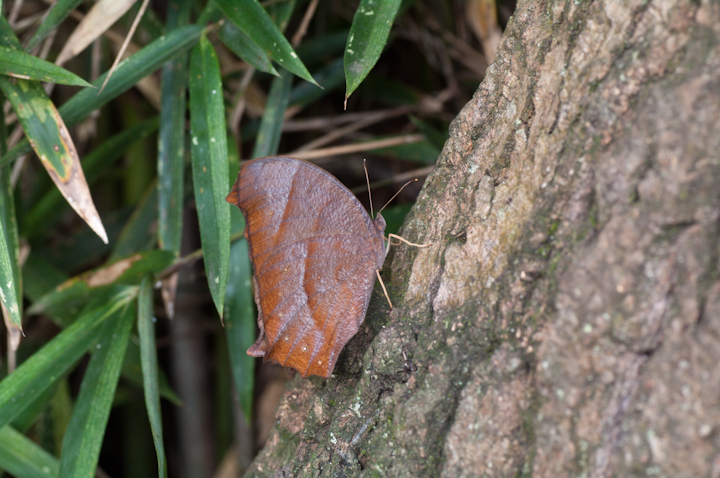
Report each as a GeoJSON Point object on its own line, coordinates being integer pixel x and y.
{"type": "Point", "coordinates": [315, 252]}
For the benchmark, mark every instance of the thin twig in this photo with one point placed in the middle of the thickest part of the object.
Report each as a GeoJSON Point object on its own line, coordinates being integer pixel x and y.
{"type": "Point", "coordinates": [302, 29]}
{"type": "Point", "coordinates": [14, 12]}
{"type": "Point", "coordinates": [358, 147]}
{"type": "Point", "coordinates": [415, 173]}
{"type": "Point", "coordinates": [358, 125]}
{"type": "Point", "coordinates": [239, 108]}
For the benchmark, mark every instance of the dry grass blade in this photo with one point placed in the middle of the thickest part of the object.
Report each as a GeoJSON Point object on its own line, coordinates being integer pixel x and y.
{"type": "Point", "coordinates": [124, 46]}
{"type": "Point", "coordinates": [97, 21]}
{"type": "Point", "coordinates": [407, 176]}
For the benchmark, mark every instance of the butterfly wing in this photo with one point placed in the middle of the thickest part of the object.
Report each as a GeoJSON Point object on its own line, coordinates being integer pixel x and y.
{"type": "Point", "coordinates": [315, 251]}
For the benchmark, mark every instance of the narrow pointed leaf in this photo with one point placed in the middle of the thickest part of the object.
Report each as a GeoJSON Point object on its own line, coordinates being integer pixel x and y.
{"type": "Point", "coordinates": [268, 137]}
{"type": "Point", "coordinates": [148, 356]}
{"type": "Point", "coordinates": [57, 14]}
{"type": "Point", "coordinates": [240, 308]}
{"type": "Point", "coordinates": [23, 458]}
{"type": "Point", "coordinates": [47, 365]}
{"type": "Point", "coordinates": [84, 435]}
{"type": "Point", "coordinates": [171, 140]}
{"type": "Point", "coordinates": [9, 290]}
{"type": "Point", "coordinates": [252, 19]}
{"type": "Point", "coordinates": [368, 35]}
{"type": "Point", "coordinates": [8, 224]}
{"type": "Point", "coordinates": [51, 140]}
{"type": "Point", "coordinates": [128, 72]}
{"type": "Point", "coordinates": [21, 65]}
{"type": "Point", "coordinates": [245, 48]}
{"type": "Point", "coordinates": [209, 166]}
{"type": "Point", "coordinates": [240, 323]}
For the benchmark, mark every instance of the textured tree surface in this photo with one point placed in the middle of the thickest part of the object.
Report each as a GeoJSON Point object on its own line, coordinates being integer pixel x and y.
{"type": "Point", "coordinates": [566, 321]}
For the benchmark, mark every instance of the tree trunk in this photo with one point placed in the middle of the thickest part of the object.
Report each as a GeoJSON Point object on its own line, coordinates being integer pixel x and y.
{"type": "Point", "coordinates": [566, 320]}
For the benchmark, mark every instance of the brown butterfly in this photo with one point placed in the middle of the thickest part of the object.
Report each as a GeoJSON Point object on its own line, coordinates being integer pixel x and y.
{"type": "Point", "coordinates": [315, 252]}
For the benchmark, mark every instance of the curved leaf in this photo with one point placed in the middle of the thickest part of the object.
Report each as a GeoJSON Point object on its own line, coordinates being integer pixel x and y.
{"type": "Point", "coordinates": [171, 138]}
{"type": "Point", "coordinates": [21, 65]}
{"type": "Point", "coordinates": [52, 143]}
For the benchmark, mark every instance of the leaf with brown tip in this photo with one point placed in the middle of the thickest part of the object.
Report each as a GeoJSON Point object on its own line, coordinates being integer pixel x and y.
{"type": "Point", "coordinates": [50, 139]}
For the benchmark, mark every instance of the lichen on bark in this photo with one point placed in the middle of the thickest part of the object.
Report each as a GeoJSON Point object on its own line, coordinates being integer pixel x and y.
{"type": "Point", "coordinates": [566, 319]}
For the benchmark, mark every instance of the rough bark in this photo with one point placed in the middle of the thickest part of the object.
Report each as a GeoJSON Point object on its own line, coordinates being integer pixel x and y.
{"type": "Point", "coordinates": [566, 320]}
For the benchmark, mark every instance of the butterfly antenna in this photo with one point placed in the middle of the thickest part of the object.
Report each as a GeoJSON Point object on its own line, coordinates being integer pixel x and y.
{"type": "Point", "coordinates": [367, 179]}
{"type": "Point", "coordinates": [411, 181]}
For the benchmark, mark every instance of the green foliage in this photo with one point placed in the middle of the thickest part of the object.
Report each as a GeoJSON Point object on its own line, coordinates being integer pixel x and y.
{"type": "Point", "coordinates": [211, 80]}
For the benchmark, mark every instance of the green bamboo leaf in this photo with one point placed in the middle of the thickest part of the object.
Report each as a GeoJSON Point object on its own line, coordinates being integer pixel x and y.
{"type": "Point", "coordinates": [57, 14]}
{"type": "Point", "coordinates": [252, 19]}
{"type": "Point", "coordinates": [8, 221]}
{"type": "Point", "coordinates": [138, 234]}
{"type": "Point", "coordinates": [268, 137]}
{"type": "Point", "coordinates": [148, 356]}
{"type": "Point", "coordinates": [9, 287]}
{"type": "Point", "coordinates": [128, 72]}
{"type": "Point", "coordinates": [52, 143]}
{"type": "Point", "coordinates": [209, 166]}
{"type": "Point", "coordinates": [47, 365]}
{"type": "Point", "coordinates": [84, 436]}
{"type": "Point", "coordinates": [368, 35]}
{"type": "Point", "coordinates": [21, 65]}
{"type": "Point", "coordinates": [23, 458]}
{"type": "Point", "coordinates": [243, 46]}
{"type": "Point", "coordinates": [240, 307]}
{"type": "Point", "coordinates": [45, 211]}
{"type": "Point", "coordinates": [240, 323]}
{"type": "Point", "coordinates": [7, 35]}
{"type": "Point", "coordinates": [171, 140]}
